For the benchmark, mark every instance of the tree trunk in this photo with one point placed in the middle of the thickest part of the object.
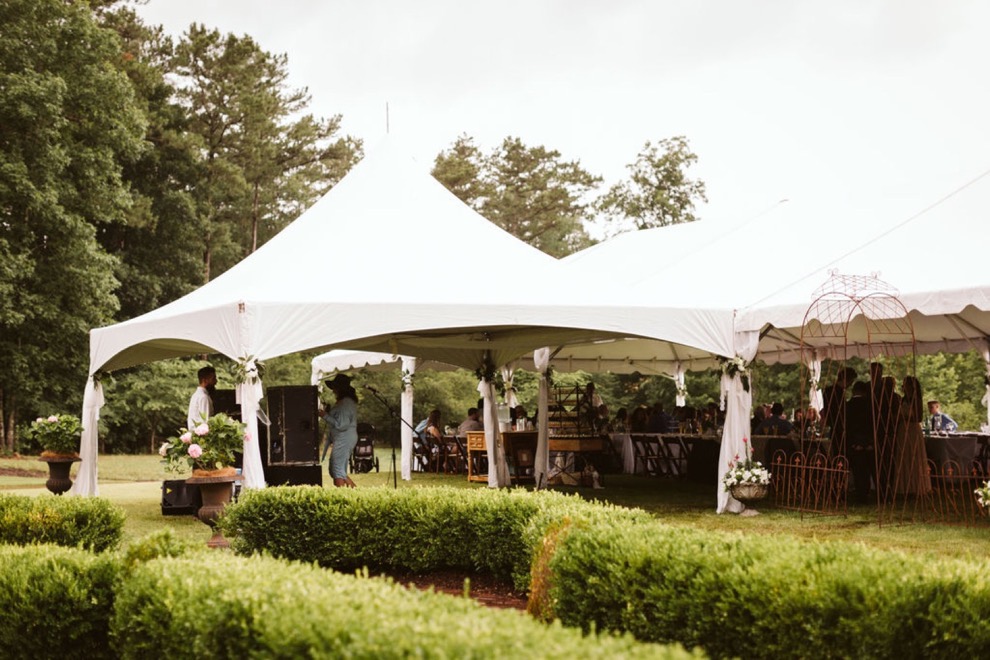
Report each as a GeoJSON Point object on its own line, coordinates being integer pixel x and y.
{"type": "Point", "coordinates": [7, 410]}
{"type": "Point", "coordinates": [254, 219]}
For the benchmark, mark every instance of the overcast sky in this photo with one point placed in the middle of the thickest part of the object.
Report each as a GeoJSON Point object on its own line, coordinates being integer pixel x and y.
{"type": "Point", "coordinates": [865, 109]}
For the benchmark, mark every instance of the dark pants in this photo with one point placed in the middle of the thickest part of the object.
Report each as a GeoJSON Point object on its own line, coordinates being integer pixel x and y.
{"type": "Point", "coordinates": [863, 468]}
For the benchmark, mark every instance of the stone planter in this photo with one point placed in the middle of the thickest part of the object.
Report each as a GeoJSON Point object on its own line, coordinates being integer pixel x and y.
{"type": "Point", "coordinates": [216, 492]}
{"type": "Point", "coordinates": [58, 472]}
{"type": "Point", "coordinates": [748, 492]}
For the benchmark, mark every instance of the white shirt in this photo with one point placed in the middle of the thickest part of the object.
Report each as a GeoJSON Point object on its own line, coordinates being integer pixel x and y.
{"type": "Point", "coordinates": [200, 405]}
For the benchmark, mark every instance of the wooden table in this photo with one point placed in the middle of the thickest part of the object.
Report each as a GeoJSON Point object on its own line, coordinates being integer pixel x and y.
{"type": "Point", "coordinates": [477, 456]}
{"type": "Point", "coordinates": [570, 454]}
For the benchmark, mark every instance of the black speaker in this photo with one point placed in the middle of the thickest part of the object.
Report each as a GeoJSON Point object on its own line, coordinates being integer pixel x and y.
{"type": "Point", "coordinates": [293, 475]}
{"type": "Point", "coordinates": [294, 434]}
{"type": "Point", "coordinates": [225, 401]}
{"type": "Point", "coordinates": [180, 498]}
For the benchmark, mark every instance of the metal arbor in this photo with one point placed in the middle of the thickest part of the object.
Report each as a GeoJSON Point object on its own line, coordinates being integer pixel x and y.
{"type": "Point", "coordinates": [860, 443]}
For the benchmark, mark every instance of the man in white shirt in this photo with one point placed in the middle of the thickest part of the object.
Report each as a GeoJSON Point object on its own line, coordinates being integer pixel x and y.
{"type": "Point", "coordinates": [201, 403]}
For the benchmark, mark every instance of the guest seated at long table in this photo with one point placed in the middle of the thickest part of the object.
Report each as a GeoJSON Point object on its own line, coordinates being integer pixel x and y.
{"type": "Point", "coordinates": [639, 421]}
{"type": "Point", "coordinates": [620, 423]}
{"type": "Point", "coordinates": [778, 426]}
{"type": "Point", "coordinates": [471, 423]}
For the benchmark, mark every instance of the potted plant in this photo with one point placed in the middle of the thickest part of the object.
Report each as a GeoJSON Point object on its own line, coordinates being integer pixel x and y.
{"type": "Point", "coordinates": [746, 480]}
{"type": "Point", "coordinates": [208, 448]}
{"type": "Point", "coordinates": [58, 436]}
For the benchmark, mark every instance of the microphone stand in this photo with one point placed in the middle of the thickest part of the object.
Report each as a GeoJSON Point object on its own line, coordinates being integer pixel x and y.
{"type": "Point", "coordinates": [395, 415]}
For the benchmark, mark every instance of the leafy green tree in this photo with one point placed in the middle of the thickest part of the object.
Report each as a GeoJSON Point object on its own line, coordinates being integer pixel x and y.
{"type": "Point", "coordinates": [531, 192]}
{"type": "Point", "coordinates": [155, 261]}
{"type": "Point", "coordinates": [68, 120]}
{"type": "Point", "coordinates": [261, 165]}
{"type": "Point", "coordinates": [658, 192]}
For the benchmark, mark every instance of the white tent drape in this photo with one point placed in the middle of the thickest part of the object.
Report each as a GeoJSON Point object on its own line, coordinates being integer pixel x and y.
{"type": "Point", "coordinates": [680, 400]}
{"type": "Point", "coordinates": [498, 469]}
{"type": "Point", "coordinates": [986, 363]}
{"type": "Point", "coordinates": [86, 483]}
{"type": "Point", "coordinates": [737, 401]}
{"type": "Point", "coordinates": [406, 429]}
{"type": "Point", "coordinates": [248, 395]}
{"type": "Point", "coordinates": [510, 392]}
{"type": "Point", "coordinates": [541, 462]}
{"type": "Point", "coordinates": [815, 376]}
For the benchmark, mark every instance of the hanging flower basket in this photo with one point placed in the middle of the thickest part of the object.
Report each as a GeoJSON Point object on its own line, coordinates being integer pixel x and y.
{"type": "Point", "coordinates": [748, 492]}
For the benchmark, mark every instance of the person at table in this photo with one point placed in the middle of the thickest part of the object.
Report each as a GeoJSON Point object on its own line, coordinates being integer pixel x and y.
{"type": "Point", "coordinates": [659, 421]}
{"type": "Point", "coordinates": [520, 419]}
{"type": "Point", "coordinates": [430, 434]}
{"type": "Point", "coordinates": [938, 420]}
{"type": "Point", "coordinates": [639, 420]}
{"type": "Point", "coordinates": [621, 421]}
{"type": "Point", "coordinates": [859, 441]}
{"type": "Point", "coordinates": [603, 421]}
{"type": "Point", "coordinates": [910, 460]}
{"type": "Point", "coordinates": [471, 423]}
{"type": "Point", "coordinates": [781, 429]}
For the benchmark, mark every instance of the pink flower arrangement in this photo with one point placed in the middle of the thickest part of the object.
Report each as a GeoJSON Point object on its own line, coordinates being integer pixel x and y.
{"type": "Point", "coordinates": [216, 440]}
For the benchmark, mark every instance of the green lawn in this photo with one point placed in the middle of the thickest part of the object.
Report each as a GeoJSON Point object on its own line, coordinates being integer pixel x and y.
{"type": "Point", "coordinates": [134, 483]}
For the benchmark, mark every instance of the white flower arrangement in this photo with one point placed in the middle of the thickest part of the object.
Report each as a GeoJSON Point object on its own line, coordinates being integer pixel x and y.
{"type": "Point", "coordinates": [745, 471]}
{"type": "Point", "coordinates": [735, 366]}
{"type": "Point", "coordinates": [983, 495]}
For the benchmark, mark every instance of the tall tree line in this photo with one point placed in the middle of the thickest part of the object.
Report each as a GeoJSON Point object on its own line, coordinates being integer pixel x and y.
{"type": "Point", "coordinates": [133, 168]}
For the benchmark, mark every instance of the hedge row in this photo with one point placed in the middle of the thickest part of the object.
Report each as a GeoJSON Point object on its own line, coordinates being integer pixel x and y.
{"type": "Point", "coordinates": [68, 603]}
{"type": "Point", "coordinates": [601, 568]}
{"type": "Point", "coordinates": [760, 597]}
{"type": "Point", "coordinates": [89, 522]}
{"type": "Point", "coordinates": [416, 529]}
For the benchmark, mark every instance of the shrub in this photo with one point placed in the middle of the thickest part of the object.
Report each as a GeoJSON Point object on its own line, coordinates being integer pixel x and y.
{"type": "Point", "coordinates": [484, 531]}
{"type": "Point", "coordinates": [55, 602]}
{"type": "Point", "coordinates": [774, 596]}
{"type": "Point", "coordinates": [262, 607]}
{"type": "Point", "coordinates": [90, 522]}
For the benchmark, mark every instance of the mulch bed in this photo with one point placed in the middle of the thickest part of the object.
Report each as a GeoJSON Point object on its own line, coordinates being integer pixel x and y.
{"type": "Point", "coordinates": [485, 589]}
{"type": "Point", "coordinates": [21, 472]}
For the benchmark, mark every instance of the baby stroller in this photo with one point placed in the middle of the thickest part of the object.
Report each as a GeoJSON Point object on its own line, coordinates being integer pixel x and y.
{"type": "Point", "coordinates": [363, 457]}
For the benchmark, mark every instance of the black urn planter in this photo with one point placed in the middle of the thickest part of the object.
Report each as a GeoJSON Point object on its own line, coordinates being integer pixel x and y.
{"type": "Point", "coordinates": [216, 492]}
{"type": "Point", "coordinates": [58, 472]}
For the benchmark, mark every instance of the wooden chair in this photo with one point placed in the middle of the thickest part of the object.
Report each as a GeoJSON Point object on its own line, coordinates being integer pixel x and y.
{"type": "Point", "coordinates": [648, 453]}
{"type": "Point", "coordinates": [454, 455]}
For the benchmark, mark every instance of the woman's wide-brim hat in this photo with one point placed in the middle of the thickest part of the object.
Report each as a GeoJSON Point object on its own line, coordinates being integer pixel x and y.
{"type": "Point", "coordinates": [339, 381]}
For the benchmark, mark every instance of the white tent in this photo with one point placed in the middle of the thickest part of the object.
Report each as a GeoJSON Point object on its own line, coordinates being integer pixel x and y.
{"type": "Point", "coordinates": [380, 263]}
{"type": "Point", "coordinates": [766, 270]}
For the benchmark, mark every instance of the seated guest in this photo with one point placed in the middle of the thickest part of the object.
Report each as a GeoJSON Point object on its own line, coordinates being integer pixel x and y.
{"type": "Point", "coordinates": [620, 423]}
{"type": "Point", "coordinates": [520, 420]}
{"type": "Point", "coordinates": [776, 425]}
{"type": "Point", "coordinates": [660, 421]}
{"type": "Point", "coordinates": [471, 423]}
{"type": "Point", "coordinates": [939, 421]}
{"type": "Point", "coordinates": [603, 422]}
{"type": "Point", "coordinates": [639, 421]}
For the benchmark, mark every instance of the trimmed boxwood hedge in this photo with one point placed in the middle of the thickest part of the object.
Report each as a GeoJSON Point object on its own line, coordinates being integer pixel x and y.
{"type": "Point", "coordinates": [215, 606]}
{"type": "Point", "coordinates": [763, 597]}
{"type": "Point", "coordinates": [486, 531]}
{"type": "Point", "coordinates": [603, 568]}
{"type": "Point", "coordinates": [89, 522]}
{"type": "Point", "coordinates": [55, 602]}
